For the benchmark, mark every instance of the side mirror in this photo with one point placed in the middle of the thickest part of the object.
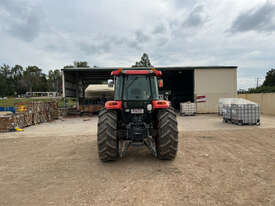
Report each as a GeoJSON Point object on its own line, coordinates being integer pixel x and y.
{"type": "Point", "coordinates": [160, 83]}
{"type": "Point", "coordinates": [110, 83]}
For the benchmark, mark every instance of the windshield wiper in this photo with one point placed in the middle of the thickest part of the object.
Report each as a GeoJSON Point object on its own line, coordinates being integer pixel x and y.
{"type": "Point", "coordinates": [132, 82]}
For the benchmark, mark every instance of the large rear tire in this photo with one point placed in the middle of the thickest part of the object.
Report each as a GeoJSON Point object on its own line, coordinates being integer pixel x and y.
{"type": "Point", "coordinates": [167, 138]}
{"type": "Point", "coordinates": [107, 138]}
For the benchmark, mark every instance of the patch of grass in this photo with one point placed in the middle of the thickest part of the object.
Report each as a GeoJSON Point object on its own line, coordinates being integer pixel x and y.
{"type": "Point", "coordinates": [70, 102]}
{"type": "Point", "coordinates": [9, 102]}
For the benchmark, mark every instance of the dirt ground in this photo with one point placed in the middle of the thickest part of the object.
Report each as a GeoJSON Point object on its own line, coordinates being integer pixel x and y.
{"type": "Point", "coordinates": [217, 164]}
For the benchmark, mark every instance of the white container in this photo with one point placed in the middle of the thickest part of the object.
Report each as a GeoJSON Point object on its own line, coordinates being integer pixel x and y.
{"type": "Point", "coordinates": [187, 108]}
{"type": "Point", "coordinates": [241, 111]}
{"type": "Point", "coordinates": [245, 112]}
{"type": "Point", "coordinates": [225, 101]}
{"type": "Point", "coordinates": [226, 112]}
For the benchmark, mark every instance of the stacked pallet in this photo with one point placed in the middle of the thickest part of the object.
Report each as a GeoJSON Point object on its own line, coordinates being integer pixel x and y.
{"type": "Point", "coordinates": [6, 120]}
{"type": "Point", "coordinates": [187, 109]}
{"type": "Point", "coordinates": [19, 120]}
{"type": "Point", "coordinates": [28, 114]}
{"type": "Point", "coordinates": [241, 112]}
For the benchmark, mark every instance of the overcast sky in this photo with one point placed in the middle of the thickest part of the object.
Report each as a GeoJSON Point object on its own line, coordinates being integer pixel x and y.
{"type": "Point", "coordinates": [54, 33]}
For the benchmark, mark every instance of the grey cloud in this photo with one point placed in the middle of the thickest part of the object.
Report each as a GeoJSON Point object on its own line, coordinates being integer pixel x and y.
{"type": "Point", "coordinates": [256, 19]}
{"type": "Point", "coordinates": [159, 29]}
{"type": "Point", "coordinates": [196, 17]}
{"type": "Point", "coordinates": [21, 20]}
{"type": "Point", "coordinates": [184, 3]}
{"type": "Point", "coordinates": [162, 41]}
{"type": "Point", "coordinates": [28, 29]}
{"type": "Point", "coordinates": [99, 46]}
{"type": "Point", "coordinates": [105, 44]}
{"type": "Point", "coordinates": [96, 47]}
{"type": "Point", "coordinates": [138, 39]}
{"type": "Point", "coordinates": [141, 37]}
{"type": "Point", "coordinates": [13, 7]}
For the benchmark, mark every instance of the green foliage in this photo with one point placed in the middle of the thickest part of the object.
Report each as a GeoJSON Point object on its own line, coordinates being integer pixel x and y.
{"type": "Point", "coordinates": [55, 80]}
{"type": "Point", "coordinates": [68, 67]}
{"type": "Point", "coordinates": [268, 85]}
{"type": "Point", "coordinates": [270, 78]}
{"type": "Point", "coordinates": [262, 89]}
{"type": "Point", "coordinates": [77, 64]}
{"type": "Point", "coordinates": [9, 102]}
{"type": "Point", "coordinates": [144, 62]}
{"type": "Point", "coordinates": [81, 64]}
{"type": "Point", "coordinates": [17, 80]}
{"type": "Point", "coordinates": [70, 102]}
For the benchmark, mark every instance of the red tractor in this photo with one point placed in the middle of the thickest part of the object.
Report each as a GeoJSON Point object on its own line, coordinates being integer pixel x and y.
{"type": "Point", "coordinates": [137, 117]}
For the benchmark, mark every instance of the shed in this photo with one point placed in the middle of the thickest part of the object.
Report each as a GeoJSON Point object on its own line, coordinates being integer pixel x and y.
{"type": "Point", "coordinates": [183, 83]}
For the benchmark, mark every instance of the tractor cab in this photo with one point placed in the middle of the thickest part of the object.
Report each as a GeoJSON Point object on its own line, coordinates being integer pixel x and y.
{"type": "Point", "coordinates": [139, 85]}
{"type": "Point", "coordinates": [136, 88]}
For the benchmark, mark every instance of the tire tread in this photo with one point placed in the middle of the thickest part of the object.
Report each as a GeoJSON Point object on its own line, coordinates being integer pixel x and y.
{"type": "Point", "coordinates": [167, 139]}
{"type": "Point", "coordinates": [107, 142]}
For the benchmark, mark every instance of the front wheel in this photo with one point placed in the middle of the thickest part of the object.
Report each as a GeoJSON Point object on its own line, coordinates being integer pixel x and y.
{"type": "Point", "coordinates": [107, 139]}
{"type": "Point", "coordinates": [167, 138]}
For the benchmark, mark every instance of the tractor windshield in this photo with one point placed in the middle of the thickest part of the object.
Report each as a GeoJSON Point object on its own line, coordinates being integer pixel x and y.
{"type": "Point", "coordinates": [136, 87]}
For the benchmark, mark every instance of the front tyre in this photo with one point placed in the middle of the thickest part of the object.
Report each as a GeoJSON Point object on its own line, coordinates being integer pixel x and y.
{"type": "Point", "coordinates": [167, 138]}
{"type": "Point", "coordinates": [107, 139]}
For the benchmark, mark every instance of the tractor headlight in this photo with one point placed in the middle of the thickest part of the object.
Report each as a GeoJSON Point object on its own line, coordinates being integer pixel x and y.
{"type": "Point", "coordinates": [149, 107]}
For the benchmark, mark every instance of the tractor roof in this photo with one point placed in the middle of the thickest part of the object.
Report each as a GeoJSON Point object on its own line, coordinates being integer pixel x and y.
{"type": "Point", "coordinates": [137, 72]}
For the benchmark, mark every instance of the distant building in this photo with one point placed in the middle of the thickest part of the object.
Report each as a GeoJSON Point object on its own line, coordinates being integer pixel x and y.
{"type": "Point", "coordinates": [201, 84]}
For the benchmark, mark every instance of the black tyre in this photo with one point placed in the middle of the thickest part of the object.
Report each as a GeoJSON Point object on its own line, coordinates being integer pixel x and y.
{"type": "Point", "coordinates": [167, 138]}
{"type": "Point", "coordinates": [107, 141]}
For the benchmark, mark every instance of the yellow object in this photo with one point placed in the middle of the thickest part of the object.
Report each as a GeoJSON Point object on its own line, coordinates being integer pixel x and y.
{"type": "Point", "coordinates": [22, 108]}
{"type": "Point", "coordinates": [18, 129]}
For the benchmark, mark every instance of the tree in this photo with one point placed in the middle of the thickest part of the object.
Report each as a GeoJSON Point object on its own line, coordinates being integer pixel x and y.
{"type": "Point", "coordinates": [77, 64]}
{"type": "Point", "coordinates": [17, 80]}
{"type": "Point", "coordinates": [54, 80]}
{"type": "Point", "coordinates": [68, 67]}
{"type": "Point", "coordinates": [268, 85]}
{"type": "Point", "coordinates": [17, 75]}
{"type": "Point", "coordinates": [5, 71]}
{"type": "Point", "coordinates": [33, 79]}
{"type": "Point", "coordinates": [5, 83]}
{"type": "Point", "coordinates": [17, 72]}
{"type": "Point", "coordinates": [144, 62]}
{"type": "Point", "coordinates": [270, 78]}
{"type": "Point", "coordinates": [81, 64]}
